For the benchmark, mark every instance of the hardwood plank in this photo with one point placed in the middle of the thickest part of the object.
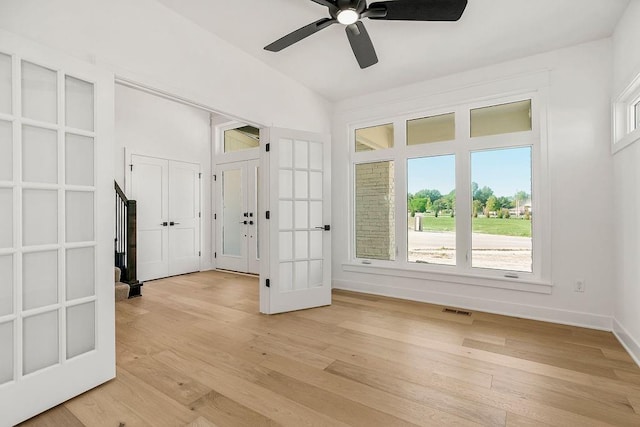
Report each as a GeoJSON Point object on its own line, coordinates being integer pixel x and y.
{"type": "Point", "coordinates": [54, 417]}
{"type": "Point", "coordinates": [195, 351]}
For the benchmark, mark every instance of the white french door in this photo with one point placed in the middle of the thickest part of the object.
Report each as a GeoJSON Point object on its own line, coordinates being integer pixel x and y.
{"type": "Point", "coordinates": [237, 220]}
{"type": "Point", "coordinates": [167, 193]}
{"type": "Point", "coordinates": [296, 248]}
{"type": "Point", "coordinates": [57, 334]}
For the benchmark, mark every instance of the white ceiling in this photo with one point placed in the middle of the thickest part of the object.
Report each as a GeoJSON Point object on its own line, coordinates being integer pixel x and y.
{"type": "Point", "coordinates": [490, 31]}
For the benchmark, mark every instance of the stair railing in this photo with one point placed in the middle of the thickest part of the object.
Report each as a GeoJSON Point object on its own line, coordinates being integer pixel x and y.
{"type": "Point", "coordinates": [125, 240]}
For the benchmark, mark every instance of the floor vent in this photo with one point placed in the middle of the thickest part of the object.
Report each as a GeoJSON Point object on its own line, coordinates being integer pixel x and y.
{"type": "Point", "coordinates": [454, 311]}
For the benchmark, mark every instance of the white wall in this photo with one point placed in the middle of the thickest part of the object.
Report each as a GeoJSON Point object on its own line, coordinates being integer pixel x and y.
{"type": "Point", "coordinates": [143, 41]}
{"type": "Point", "coordinates": [626, 62]}
{"type": "Point", "coordinates": [581, 170]}
{"type": "Point", "coordinates": [149, 125]}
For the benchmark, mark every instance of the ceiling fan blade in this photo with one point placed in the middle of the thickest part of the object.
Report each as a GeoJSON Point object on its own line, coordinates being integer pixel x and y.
{"type": "Point", "coordinates": [361, 45]}
{"type": "Point", "coordinates": [417, 10]}
{"type": "Point", "coordinates": [331, 4]}
{"type": "Point", "coordinates": [299, 34]}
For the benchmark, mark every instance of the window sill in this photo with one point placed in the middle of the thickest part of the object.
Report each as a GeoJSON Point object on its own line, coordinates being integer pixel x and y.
{"type": "Point", "coordinates": [523, 285]}
{"type": "Point", "coordinates": [627, 140]}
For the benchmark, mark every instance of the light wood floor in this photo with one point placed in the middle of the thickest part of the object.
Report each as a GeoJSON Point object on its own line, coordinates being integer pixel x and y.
{"type": "Point", "coordinates": [194, 351]}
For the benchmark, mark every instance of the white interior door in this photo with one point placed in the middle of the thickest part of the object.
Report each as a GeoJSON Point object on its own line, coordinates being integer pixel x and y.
{"type": "Point", "coordinates": [149, 185]}
{"type": "Point", "coordinates": [184, 218]}
{"type": "Point", "coordinates": [57, 335]}
{"type": "Point", "coordinates": [296, 240]}
{"type": "Point", "coordinates": [237, 218]}
{"type": "Point", "coordinates": [167, 193]}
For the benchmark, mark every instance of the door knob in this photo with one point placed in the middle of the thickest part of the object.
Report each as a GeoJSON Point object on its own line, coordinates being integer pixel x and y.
{"type": "Point", "coordinates": [164, 224]}
{"type": "Point", "coordinates": [324, 227]}
{"type": "Point", "coordinates": [174, 223]}
{"type": "Point", "coordinates": [250, 222]}
{"type": "Point", "coordinates": [243, 222]}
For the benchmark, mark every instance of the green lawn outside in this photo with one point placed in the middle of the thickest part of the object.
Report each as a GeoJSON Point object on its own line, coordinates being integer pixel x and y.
{"type": "Point", "coordinates": [499, 226]}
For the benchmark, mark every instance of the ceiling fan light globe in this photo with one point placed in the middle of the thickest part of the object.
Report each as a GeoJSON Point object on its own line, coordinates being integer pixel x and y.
{"type": "Point", "coordinates": [348, 16]}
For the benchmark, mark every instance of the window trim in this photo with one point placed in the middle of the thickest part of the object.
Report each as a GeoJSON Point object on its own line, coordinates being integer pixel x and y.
{"type": "Point", "coordinates": [623, 115]}
{"type": "Point", "coordinates": [462, 273]}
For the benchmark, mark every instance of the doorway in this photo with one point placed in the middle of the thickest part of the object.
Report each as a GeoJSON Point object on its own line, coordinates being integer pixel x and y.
{"type": "Point", "coordinates": [168, 200]}
{"type": "Point", "coordinates": [238, 222]}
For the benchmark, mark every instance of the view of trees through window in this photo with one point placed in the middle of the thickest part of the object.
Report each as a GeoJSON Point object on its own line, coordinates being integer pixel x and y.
{"type": "Point", "coordinates": [500, 208]}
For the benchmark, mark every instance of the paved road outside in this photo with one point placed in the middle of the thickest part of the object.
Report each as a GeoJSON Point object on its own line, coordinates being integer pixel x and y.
{"type": "Point", "coordinates": [488, 250]}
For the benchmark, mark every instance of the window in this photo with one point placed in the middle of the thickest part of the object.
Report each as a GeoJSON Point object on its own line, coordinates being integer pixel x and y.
{"type": "Point", "coordinates": [431, 231]}
{"type": "Point", "coordinates": [431, 129]}
{"type": "Point", "coordinates": [374, 138]}
{"type": "Point", "coordinates": [375, 211]}
{"type": "Point", "coordinates": [501, 209]}
{"type": "Point", "coordinates": [242, 138]}
{"type": "Point", "coordinates": [626, 117]}
{"type": "Point", "coordinates": [465, 201]}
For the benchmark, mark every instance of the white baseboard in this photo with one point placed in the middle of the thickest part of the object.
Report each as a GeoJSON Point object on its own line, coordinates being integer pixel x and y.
{"type": "Point", "coordinates": [628, 342]}
{"type": "Point", "coordinates": [545, 314]}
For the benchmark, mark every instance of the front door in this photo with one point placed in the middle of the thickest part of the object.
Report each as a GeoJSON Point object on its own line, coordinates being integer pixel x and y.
{"type": "Point", "coordinates": [237, 219]}
{"type": "Point", "coordinates": [168, 201]}
{"type": "Point", "coordinates": [296, 247]}
{"type": "Point", "coordinates": [57, 326]}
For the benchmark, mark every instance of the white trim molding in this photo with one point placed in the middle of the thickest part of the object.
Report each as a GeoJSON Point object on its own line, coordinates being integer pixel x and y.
{"type": "Point", "coordinates": [628, 342]}
{"type": "Point", "coordinates": [505, 308]}
{"type": "Point", "coordinates": [623, 117]}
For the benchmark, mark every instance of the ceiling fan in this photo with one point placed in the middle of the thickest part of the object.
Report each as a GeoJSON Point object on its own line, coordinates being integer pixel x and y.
{"type": "Point", "coordinates": [350, 12]}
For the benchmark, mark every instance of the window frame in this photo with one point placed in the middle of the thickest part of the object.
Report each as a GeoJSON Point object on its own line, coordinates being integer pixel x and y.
{"type": "Point", "coordinates": [624, 117]}
{"type": "Point", "coordinates": [462, 147]}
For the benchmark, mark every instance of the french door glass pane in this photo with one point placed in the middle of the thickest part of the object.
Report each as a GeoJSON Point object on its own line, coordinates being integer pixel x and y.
{"type": "Point", "coordinates": [79, 218]}
{"type": "Point", "coordinates": [80, 271]}
{"type": "Point", "coordinates": [432, 206]}
{"type": "Point", "coordinates": [40, 342]}
{"type": "Point", "coordinates": [499, 119]}
{"type": "Point", "coordinates": [6, 352]}
{"type": "Point", "coordinates": [40, 217]}
{"type": "Point", "coordinates": [232, 212]}
{"type": "Point", "coordinates": [39, 279]}
{"type": "Point", "coordinates": [6, 286]}
{"type": "Point", "coordinates": [502, 209]}
{"type": "Point", "coordinates": [374, 138]}
{"type": "Point", "coordinates": [5, 84]}
{"type": "Point", "coordinates": [79, 103]}
{"type": "Point", "coordinates": [39, 93]}
{"type": "Point", "coordinates": [39, 155]}
{"type": "Point", "coordinates": [6, 151]}
{"type": "Point", "coordinates": [81, 329]}
{"type": "Point", "coordinates": [375, 210]}
{"type": "Point", "coordinates": [431, 129]}
{"type": "Point", "coordinates": [79, 160]}
{"type": "Point", "coordinates": [6, 213]}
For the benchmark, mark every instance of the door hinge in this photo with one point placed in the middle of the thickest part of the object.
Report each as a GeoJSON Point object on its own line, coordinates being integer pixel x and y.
{"type": "Point", "coordinates": [268, 283]}
{"type": "Point", "coordinates": [215, 254]}
{"type": "Point", "coordinates": [131, 167]}
{"type": "Point", "coordinates": [215, 216]}
{"type": "Point", "coordinates": [199, 175]}
{"type": "Point", "coordinates": [215, 177]}
{"type": "Point", "coordinates": [199, 253]}
{"type": "Point", "coordinates": [199, 214]}
{"type": "Point", "coordinates": [268, 214]}
{"type": "Point", "coordinates": [268, 146]}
